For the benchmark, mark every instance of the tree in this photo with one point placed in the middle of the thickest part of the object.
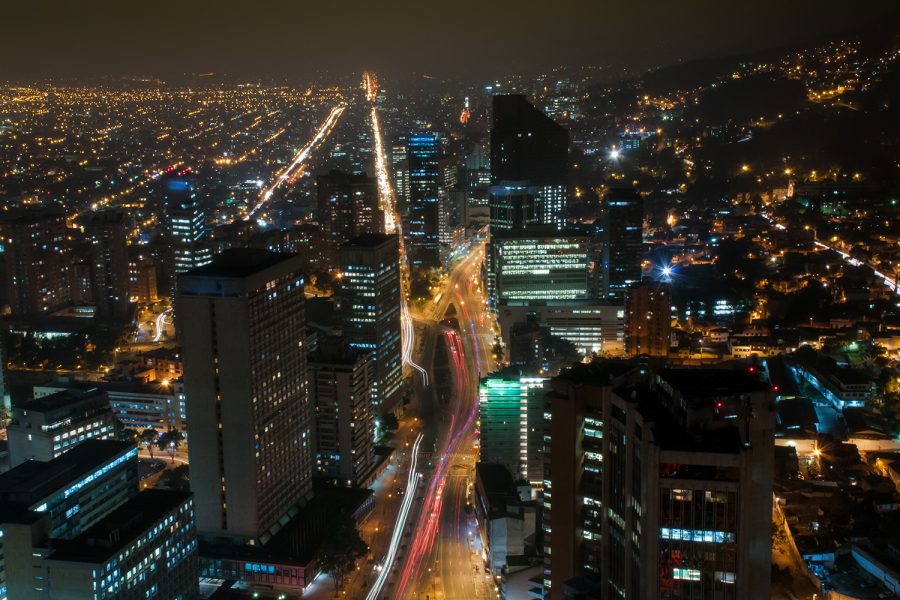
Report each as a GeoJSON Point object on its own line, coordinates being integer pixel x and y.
{"type": "Point", "coordinates": [148, 439]}
{"type": "Point", "coordinates": [341, 547]}
{"type": "Point", "coordinates": [170, 441]}
{"type": "Point", "coordinates": [390, 422]}
{"type": "Point", "coordinates": [175, 479]}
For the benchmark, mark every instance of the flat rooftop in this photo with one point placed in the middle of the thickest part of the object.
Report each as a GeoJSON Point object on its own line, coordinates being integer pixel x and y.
{"type": "Point", "coordinates": [239, 262]}
{"type": "Point", "coordinates": [36, 480]}
{"type": "Point", "coordinates": [119, 528]}
{"type": "Point", "coordinates": [64, 399]}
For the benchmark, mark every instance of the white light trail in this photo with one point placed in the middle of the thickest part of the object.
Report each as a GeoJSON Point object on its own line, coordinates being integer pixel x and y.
{"type": "Point", "coordinates": [299, 159]}
{"type": "Point", "coordinates": [160, 324]}
{"type": "Point", "coordinates": [391, 225]}
{"type": "Point", "coordinates": [890, 283]}
{"type": "Point", "coordinates": [412, 480]}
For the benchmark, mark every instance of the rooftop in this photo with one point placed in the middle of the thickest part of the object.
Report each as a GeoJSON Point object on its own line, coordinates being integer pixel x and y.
{"type": "Point", "coordinates": [120, 527]}
{"type": "Point", "coordinates": [368, 240]}
{"type": "Point", "coordinates": [64, 399]}
{"type": "Point", "coordinates": [36, 480]}
{"type": "Point", "coordinates": [239, 262]}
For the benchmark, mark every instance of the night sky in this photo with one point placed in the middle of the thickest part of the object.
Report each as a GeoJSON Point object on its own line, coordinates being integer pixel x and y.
{"type": "Point", "coordinates": [295, 39]}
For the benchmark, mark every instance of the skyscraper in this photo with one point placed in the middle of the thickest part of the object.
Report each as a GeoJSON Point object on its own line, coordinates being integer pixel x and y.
{"type": "Point", "coordinates": [32, 248]}
{"type": "Point", "coordinates": [109, 262]}
{"type": "Point", "coordinates": [511, 414]}
{"type": "Point", "coordinates": [622, 237]}
{"type": "Point", "coordinates": [370, 310]}
{"type": "Point", "coordinates": [648, 319]}
{"type": "Point", "coordinates": [245, 376]}
{"type": "Point", "coordinates": [341, 385]}
{"type": "Point", "coordinates": [659, 485]}
{"type": "Point", "coordinates": [347, 207]}
{"type": "Point", "coordinates": [423, 225]}
{"type": "Point", "coordinates": [186, 227]}
{"type": "Point", "coordinates": [529, 148]}
{"type": "Point", "coordinates": [539, 264]}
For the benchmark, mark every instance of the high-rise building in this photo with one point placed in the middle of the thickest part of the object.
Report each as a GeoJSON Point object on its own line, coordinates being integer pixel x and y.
{"type": "Point", "coordinates": [423, 223]}
{"type": "Point", "coordinates": [245, 377]}
{"type": "Point", "coordinates": [659, 484]}
{"type": "Point", "coordinates": [400, 177]}
{"type": "Point", "coordinates": [539, 264]}
{"type": "Point", "coordinates": [33, 253]}
{"type": "Point", "coordinates": [109, 261]}
{"type": "Point", "coordinates": [511, 416]}
{"type": "Point", "coordinates": [46, 427]}
{"type": "Point", "coordinates": [347, 207]}
{"type": "Point", "coordinates": [370, 310]}
{"type": "Point", "coordinates": [341, 381]}
{"type": "Point", "coordinates": [513, 206]}
{"type": "Point", "coordinates": [529, 148]}
{"type": "Point", "coordinates": [187, 228]}
{"type": "Point", "coordinates": [622, 235]}
{"type": "Point", "coordinates": [648, 319]}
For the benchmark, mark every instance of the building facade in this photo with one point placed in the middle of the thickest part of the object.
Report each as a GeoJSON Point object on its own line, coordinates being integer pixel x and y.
{"type": "Point", "coordinates": [347, 207]}
{"type": "Point", "coordinates": [659, 484]}
{"type": "Point", "coordinates": [622, 225]}
{"type": "Point", "coordinates": [341, 381]}
{"type": "Point", "coordinates": [370, 310]}
{"type": "Point", "coordinates": [648, 319]}
{"type": "Point", "coordinates": [109, 262]}
{"type": "Point", "coordinates": [423, 221]}
{"type": "Point", "coordinates": [46, 427]}
{"type": "Point", "coordinates": [245, 377]}
{"type": "Point", "coordinates": [528, 147]}
{"type": "Point", "coordinates": [511, 416]}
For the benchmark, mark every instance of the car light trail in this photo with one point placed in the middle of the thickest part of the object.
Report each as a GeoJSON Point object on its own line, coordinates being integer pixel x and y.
{"type": "Point", "coordinates": [299, 158]}
{"type": "Point", "coordinates": [412, 480]}
{"type": "Point", "coordinates": [160, 324]}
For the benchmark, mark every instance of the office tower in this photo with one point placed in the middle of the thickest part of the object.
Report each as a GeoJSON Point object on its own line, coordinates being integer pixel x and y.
{"type": "Point", "coordinates": [347, 207]}
{"type": "Point", "coordinates": [538, 265]}
{"type": "Point", "coordinates": [46, 427]}
{"type": "Point", "coordinates": [400, 177]}
{"type": "Point", "coordinates": [146, 548]}
{"type": "Point", "coordinates": [370, 310]}
{"type": "Point", "coordinates": [511, 414]}
{"type": "Point", "coordinates": [249, 417]}
{"type": "Point", "coordinates": [186, 227]}
{"type": "Point", "coordinates": [659, 485]}
{"type": "Point", "coordinates": [422, 229]}
{"type": "Point", "coordinates": [528, 148]}
{"type": "Point", "coordinates": [32, 245]}
{"type": "Point", "coordinates": [76, 489]}
{"type": "Point", "coordinates": [341, 380]}
{"type": "Point", "coordinates": [109, 259]}
{"type": "Point", "coordinates": [648, 319]}
{"type": "Point", "coordinates": [592, 326]}
{"type": "Point", "coordinates": [623, 250]}
{"type": "Point", "coordinates": [513, 207]}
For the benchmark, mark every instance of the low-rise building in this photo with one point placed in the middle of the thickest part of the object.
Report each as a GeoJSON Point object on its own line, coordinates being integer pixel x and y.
{"type": "Point", "coordinates": [146, 548]}
{"type": "Point", "coordinates": [46, 427]}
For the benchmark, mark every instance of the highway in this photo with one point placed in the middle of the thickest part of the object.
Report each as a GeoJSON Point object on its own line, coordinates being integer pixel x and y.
{"type": "Point", "coordinates": [444, 555]}
{"type": "Point", "coordinates": [299, 159]}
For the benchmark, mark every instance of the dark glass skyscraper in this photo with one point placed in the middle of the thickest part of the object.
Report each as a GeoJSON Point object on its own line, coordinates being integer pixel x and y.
{"type": "Point", "coordinates": [622, 235]}
{"type": "Point", "coordinates": [529, 148]}
{"type": "Point", "coordinates": [423, 225]}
